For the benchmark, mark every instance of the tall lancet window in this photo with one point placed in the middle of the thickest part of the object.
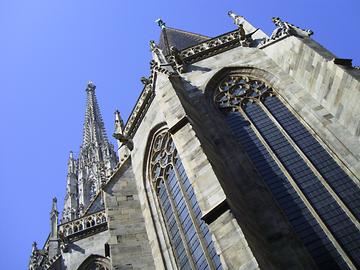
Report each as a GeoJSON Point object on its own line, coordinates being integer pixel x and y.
{"type": "Point", "coordinates": [190, 238]}
{"type": "Point", "coordinates": [319, 199]}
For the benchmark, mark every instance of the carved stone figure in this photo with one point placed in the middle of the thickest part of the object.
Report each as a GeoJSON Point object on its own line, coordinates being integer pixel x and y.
{"type": "Point", "coordinates": [283, 28]}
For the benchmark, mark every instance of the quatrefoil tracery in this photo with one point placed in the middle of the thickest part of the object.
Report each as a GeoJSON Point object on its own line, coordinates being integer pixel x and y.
{"type": "Point", "coordinates": [163, 156]}
{"type": "Point", "coordinates": [236, 90]}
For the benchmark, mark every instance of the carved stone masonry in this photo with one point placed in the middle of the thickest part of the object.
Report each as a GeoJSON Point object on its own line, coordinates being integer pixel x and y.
{"type": "Point", "coordinates": [235, 91]}
{"type": "Point", "coordinates": [177, 60]}
{"type": "Point", "coordinates": [286, 29]}
{"type": "Point", "coordinates": [245, 39]}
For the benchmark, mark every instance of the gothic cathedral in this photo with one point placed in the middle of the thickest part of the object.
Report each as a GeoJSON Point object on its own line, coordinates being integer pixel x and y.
{"type": "Point", "coordinates": [242, 152]}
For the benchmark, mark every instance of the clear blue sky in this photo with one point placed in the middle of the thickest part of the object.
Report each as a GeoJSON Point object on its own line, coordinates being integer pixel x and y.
{"type": "Point", "coordinates": [50, 49]}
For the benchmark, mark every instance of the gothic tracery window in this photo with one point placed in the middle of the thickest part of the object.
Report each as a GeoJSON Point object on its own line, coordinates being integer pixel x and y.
{"type": "Point", "coordinates": [97, 266]}
{"type": "Point", "coordinates": [95, 262]}
{"type": "Point", "coordinates": [191, 239]}
{"type": "Point", "coordinates": [319, 199]}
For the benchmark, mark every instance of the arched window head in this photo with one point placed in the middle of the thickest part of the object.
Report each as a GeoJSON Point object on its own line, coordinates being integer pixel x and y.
{"type": "Point", "coordinates": [190, 237]}
{"type": "Point", "coordinates": [97, 266]}
{"type": "Point", "coordinates": [235, 91]}
{"type": "Point", "coordinates": [95, 262]}
{"type": "Point", "coordinates": [163, 156]}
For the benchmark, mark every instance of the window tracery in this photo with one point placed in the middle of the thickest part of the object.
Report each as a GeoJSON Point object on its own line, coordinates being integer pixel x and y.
{"type": "Point", "coordinates": [97, 266]}
{"type": "Point", "coordinates": [95, 262]}
{"type": "Point", "coordinates": [191, 239]}
{"type": "Point", "coordinates": [318, 197]}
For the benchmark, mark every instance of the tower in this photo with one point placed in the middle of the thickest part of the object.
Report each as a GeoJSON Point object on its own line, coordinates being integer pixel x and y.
{"type": "Point", "coordinates": [95, 163]}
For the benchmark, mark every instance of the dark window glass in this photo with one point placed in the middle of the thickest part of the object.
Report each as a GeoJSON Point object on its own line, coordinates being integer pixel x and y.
{"type": "Point", "coordinates": [189, 235]}
{"type": "Point", "coordinates": [252, 102]}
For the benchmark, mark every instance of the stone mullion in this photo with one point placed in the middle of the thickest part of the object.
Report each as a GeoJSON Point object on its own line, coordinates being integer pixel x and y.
{"type": "Point", "coordinates": [300, 193]}
{"type": "Point", "coordinates": [178, 223]}
{"type": "Point", "coordinates": [312, 167]}
{"type": "Point", "coordinates": [194, 221]}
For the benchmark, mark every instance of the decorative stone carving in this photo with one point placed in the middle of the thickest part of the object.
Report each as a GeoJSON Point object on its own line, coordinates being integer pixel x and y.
{"type": "Point", "coordinates": [238, 21]}
{"type": "Point", "coordinates": [83, 225]}
{"type": "Point", "coordinates": [163, 157]}
{"type": "Point", "coordinates": [125, 144]}
{"type": "Point", "coordinates": [286, 29]}
{"type": "Point", "coordinates": [64, 242]}
{"type": "Point", "coordinates": [161, 23]}
{"type": "Point", "coordinates": [245, 39]}
{"type": "Point", "coordinates": [235, 91]}
{"type": "Point", "coordinates": [177, 59]}
{"type": "Point", "coordinates": [95, 262]}
{"type": "Point", "coordinates": [145, 81]}
{"type": "Point", "coordinates": [37, 257]}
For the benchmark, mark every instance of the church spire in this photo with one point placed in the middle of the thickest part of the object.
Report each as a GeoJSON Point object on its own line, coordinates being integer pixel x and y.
{"type": "Point", "coordinates": [90, 170]}
{"type": "Point", "coordinates": [97, 157]}
{"type": "Point", "coordinates": [94, 128]}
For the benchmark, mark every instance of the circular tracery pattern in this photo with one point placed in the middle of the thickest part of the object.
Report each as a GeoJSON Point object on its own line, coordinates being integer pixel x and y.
{"type": "Point", "coordinates": [98, 266]}
{"type": "Point", "coordinates": [234, 91]}
{"type": "Point", "coordinates": [163, 155]}
{"type": "Point", "coordinates": [95, 262]}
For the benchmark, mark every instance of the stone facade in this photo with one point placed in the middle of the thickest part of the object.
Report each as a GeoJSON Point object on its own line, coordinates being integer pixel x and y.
{"type": "Point", "coordinates": [205, 177]}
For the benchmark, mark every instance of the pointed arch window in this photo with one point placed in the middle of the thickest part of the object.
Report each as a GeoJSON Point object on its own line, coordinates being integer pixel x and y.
{"type": "Point", "coordinates": [321, 202]}
{"type": "Point", "coordinates": [95, 262]}
{"type": "Point", "coordinates": [189, 235]}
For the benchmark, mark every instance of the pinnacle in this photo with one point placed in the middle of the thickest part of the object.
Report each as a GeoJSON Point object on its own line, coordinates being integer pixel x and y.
{"type": "Point", "coordinates": [94, 128]}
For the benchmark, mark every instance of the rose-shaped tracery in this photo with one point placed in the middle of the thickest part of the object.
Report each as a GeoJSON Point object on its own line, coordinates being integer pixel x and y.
{"type": "Point", "coordinates": [162, 157]}
{"type": "Point", "coordinates": [235, 91]}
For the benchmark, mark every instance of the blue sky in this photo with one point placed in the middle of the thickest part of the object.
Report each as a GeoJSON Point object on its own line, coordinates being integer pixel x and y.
{"type": "Point", "coordinates": [50, 49]}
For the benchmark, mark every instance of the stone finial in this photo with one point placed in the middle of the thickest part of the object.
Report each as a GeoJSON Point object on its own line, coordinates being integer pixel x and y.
{"type": "Point", "coordinates": [157, 53]}
{"type": "Point", "coordinates": [238, 21]}
{"type": "Point", "coordinates": [119, 123]}
{"type": "Point", "coordinates": [125, 144]}
{"type": "Point", "coordinates": [34, 247]}
{"type": "Point", "coordinates": [90, 86]}
{"type": "Point", "coordinates": [153, 46]}
{"type": "Point", "coordinates": [54, 206]}
{"type": "Point", "coordinates": [145, 81]}
{"type": "Point", "coordinates": [236, 18]}
{"type": "Point", "coordinates": [161, 23]}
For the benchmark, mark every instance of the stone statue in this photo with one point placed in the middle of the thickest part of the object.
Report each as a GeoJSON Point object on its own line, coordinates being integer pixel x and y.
{"type": "Point", "coordinates": [283, 28]}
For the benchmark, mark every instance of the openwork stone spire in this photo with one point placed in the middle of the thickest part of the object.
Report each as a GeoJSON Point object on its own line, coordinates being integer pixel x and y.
{"type": "Point", "coordinates": [96, 160]}
{"type": "Point", "coordinates": [94, 128]}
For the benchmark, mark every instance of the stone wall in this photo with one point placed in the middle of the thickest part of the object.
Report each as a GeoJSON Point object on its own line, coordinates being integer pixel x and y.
{"type": "Point", "coordinates": [216, 173]}
{"type": "Point", "coordinates": [328, 96]}
{"type": "Point", "coordinates": [252, 233]}
{"type": "Point", "coordinates": [129, 244]}
{"type": "Point", "coordinates": [79, 250]}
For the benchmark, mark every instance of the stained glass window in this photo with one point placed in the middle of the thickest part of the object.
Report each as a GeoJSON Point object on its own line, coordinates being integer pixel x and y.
{"type": "Point", "coordinates": [321, 202]}
{"type": "Point", "coordinates": [189, 235]}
